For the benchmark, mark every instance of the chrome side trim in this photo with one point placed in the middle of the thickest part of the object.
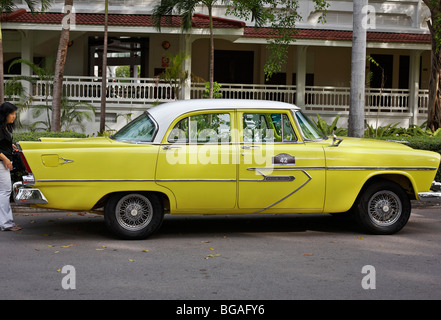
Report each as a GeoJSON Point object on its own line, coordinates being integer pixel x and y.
{"type": "Point", "coordinates": [96, 180]}
{"type": "Point", "coordinates": [195, 180]}
{"type": "Point", "coordinates": [286, 168]}
{"type": "Point", "coordinates": [65, 161]}
{"type": "Point", "coordinates": [136, 180]}
{"type": "Point", "coordinates": [289, 195]}
{"type": "Point", "coordinates": [382, 168]}
{"type": "Point", "coordinates": [267, 178]}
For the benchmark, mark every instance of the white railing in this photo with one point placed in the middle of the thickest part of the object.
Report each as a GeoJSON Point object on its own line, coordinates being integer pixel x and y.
{"type": "Point", "coordinates": [335, 99]}
{"type": "Point", "coordinates": [119, 90]}
{"type": "Point", "coordinates": [423, 101]}
{"type": "Point", "coordinates": [318, 99]}
{"type": "Point", "coordinates": [250, 91]}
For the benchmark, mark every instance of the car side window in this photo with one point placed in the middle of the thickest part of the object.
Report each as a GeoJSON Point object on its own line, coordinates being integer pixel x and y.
{"type": "Point", "coordinates": [267, 127]}
{"type": "Point", "coordinates": [202, 128]}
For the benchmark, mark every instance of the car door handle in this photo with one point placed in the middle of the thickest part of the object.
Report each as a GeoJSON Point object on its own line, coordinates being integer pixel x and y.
{"type": "Point", "coordinates": [170, 147]}
{"type": "Point", "coordinates": [249, 146]}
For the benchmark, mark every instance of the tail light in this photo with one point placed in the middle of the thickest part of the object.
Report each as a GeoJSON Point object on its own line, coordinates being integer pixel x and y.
{"type": "Point", "coordinates": [25, 162]}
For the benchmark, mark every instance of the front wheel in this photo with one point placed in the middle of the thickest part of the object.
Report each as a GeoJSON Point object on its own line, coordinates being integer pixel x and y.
{"type": "Point", "coordinates": [382, 208]}
{"type": "Point", "coordinates": [133, 216]}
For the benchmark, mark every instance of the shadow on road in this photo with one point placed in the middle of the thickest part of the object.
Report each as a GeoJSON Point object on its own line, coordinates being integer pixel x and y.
{"type": "Point", "coordinates": [68, 225]}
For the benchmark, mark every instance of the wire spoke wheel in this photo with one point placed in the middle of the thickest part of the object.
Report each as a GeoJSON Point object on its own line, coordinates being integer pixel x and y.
{"type": "Point", "coordinates": [384, 208]}
{"type": "Point", "coordinates": [134, 212]}
{"type": "Point", "coordinates": [134, 215]}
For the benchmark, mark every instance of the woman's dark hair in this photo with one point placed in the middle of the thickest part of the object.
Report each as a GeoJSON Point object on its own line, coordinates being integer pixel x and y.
{"type": "Point", "coordinates": [5, 109]}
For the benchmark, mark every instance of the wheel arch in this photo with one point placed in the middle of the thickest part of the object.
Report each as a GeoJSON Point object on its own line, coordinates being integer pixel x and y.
{"type": "Point", "coordinates": [404, 180]}
{"type": "Point", "coordinates": [167, 203]}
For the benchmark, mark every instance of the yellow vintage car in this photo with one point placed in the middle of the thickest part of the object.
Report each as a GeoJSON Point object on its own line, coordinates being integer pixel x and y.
{"type": "Point", "coordinates": [226, 157]}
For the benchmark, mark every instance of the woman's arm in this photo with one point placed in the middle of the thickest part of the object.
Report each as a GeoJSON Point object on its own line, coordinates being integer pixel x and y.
{"type": "Point", "coordinates": [6, 162]}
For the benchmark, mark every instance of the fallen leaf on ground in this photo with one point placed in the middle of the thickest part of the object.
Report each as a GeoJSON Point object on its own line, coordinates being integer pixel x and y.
{"type": "Point", "coordinates": [69, 245]}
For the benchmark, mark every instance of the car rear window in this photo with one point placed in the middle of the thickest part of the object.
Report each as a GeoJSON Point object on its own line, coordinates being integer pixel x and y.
{"type": "Point", "coordinates": [141, 129]}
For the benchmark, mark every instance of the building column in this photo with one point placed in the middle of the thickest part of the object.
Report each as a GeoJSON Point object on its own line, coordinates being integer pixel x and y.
{"type": "Point", "coordinates": [27, 53]}
{"type": "Point", "coordinates": [414, 85]}
{"type": "Point", "coordinates": [301, 57]}
{"type": "Point", "coordinates": [186, 47]}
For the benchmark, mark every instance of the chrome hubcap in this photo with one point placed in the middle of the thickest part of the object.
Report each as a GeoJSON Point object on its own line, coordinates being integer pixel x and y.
{"type": "Point", "coordinates": [384, 208]}
{"type": "Point", "coordinates": [134, 212]}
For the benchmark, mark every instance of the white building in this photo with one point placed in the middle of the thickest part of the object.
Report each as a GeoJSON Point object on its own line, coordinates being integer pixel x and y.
{"type": "Point", "coordinates": [316, 76]}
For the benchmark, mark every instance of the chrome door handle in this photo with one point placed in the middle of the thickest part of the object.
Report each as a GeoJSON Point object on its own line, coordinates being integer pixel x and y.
{"type": "Point", "coordinates": [170, 147]}
{"type": "Point", "coordinates": [249, 146]}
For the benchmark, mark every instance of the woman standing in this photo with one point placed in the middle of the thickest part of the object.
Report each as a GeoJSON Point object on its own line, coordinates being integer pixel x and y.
{"type": "Point", "coordinates": [8, 113]}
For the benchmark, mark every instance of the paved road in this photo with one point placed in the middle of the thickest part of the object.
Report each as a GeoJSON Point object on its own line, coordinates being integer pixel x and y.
{"type": "Point", "coordinates": [220, 258]}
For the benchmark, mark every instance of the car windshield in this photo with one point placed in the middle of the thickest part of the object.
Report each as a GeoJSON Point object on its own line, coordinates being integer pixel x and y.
{"type": "Point", "coordinates": [142, 129]}
{"type": "Point", "coordinates": [309, 130]}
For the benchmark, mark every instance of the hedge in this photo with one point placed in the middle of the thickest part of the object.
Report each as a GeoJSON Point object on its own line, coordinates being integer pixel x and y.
{"type": "Point", "coordinates": [34, 136]}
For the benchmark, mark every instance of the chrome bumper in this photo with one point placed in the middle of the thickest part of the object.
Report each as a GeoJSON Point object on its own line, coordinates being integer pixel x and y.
{"type": "Point", "coordinates": [435, 195]}
{"type": "Point", "coordinates": [25, 195]}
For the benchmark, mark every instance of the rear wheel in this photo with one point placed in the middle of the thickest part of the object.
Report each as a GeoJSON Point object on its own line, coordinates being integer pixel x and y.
{"type": "Point", "coordinates": [382, 208]}
{"type": "Point", "coordinates": [133, 215]}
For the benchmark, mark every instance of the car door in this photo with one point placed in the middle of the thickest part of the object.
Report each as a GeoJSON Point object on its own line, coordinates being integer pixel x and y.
{"type": "Point", "coordinates": [278, 172]}
{"type": "Point", "coordinates": [197, 161]}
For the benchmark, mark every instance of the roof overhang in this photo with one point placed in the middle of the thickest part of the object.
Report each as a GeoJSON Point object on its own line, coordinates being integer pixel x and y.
{"type": "Point", "coordinates": [233, 30]}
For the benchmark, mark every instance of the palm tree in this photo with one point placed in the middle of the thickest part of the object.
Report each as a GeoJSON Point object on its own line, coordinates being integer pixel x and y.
{"type": "Point", "coordinates": [356, 111]}
{"type": "Point", "coordinates": [434, 24]}
{"type": "Point", "coordinates": [7, 7]}
{"type": "Point", "coordinates": [280, 15]}
{"type": "Point", "coordinates": [59, 66]}
{"type": "Point", "coordinates": [186, 9]}
{"type": "Point", "coordinates": [104, 68]}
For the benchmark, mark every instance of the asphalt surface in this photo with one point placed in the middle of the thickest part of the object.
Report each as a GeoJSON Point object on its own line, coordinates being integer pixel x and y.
{"type": "Point", "coordinates": [252, 257]}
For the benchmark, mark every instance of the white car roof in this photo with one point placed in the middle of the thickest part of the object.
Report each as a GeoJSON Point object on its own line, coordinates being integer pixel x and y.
{"type": "Point", "coordinates": [164, 114]}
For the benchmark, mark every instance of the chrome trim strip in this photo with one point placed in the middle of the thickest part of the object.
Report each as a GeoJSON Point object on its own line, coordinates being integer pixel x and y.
{"type": "Point", "coordinates": [382, 168]}
{"type": "Point", "coordinates": [195, 180]}
{"type": "Point", "coordinates": [137, 180]}
{"type": "Point", "coordinates": [286, 168]}
{"type": "Point", "coordinates": [289, 195]}
{"type": "Point", "coordinates": [96, 180]}
{"type": "Point", "coordinates": [66, 161]}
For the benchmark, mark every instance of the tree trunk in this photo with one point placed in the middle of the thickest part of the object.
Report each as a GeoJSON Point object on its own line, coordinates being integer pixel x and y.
{"type": "Point", "coordinates": [2, 80]}
{"type": "Point", "coordinates": [59, 68]}
{"type": "Point", "coordinates": [434, 108]}
{"type": "Point", "coordinates": [358, 70]}
{"type": "Point", "coordinates": [211, 78]}
{"type": "Point", "coordinates": [104, 73]}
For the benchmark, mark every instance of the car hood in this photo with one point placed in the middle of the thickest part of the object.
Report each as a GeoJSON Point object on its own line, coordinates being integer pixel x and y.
{"type": "Point", "coordinates": [349, 142]}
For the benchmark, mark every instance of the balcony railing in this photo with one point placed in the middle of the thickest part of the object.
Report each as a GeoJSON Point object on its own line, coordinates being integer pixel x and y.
{"type": "Point", "coordinates": [318, 99]}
